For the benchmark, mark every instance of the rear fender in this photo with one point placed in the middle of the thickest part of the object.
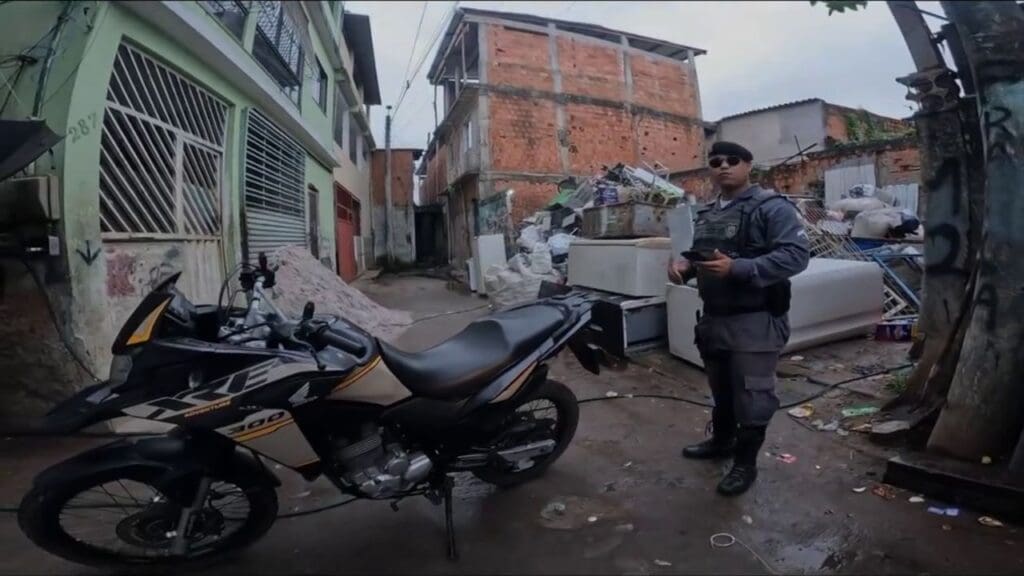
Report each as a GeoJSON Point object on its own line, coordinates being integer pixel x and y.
{"type": "Point", "coordinates": [173, 457]}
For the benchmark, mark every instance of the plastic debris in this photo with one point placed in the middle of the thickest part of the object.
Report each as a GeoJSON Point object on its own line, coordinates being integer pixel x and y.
{"type": "Point", "coordinates": [627, 464]}
{"type": "Point", "coordinates": [816, 467]}
{"type": "Point", "coordinates": [954, 512]}
{"type": "Point", "coordinates": [611, 394]}
{"type": "Point", "coordinates": [862, 428]}
{"type": "Point", "coordinates": [990, 522]}
{"type": "Point", "coordinates": [890, 427]}
{"type": "Point", "coordinates": [948, 511]}
{"type": "Point", "coordinates": [796, 358]}
{"type": "Point", "coordinates": [830, 427]}
{"type": "Point", "coordinates": [748, 519]}
{"type": "Point", "coordinates": [787, 458]}
{"type": "Point", "coordinates": [552, 510]}
{"type": "Point", "coordinates": [936, 510]}
{"type": "Point", "coordinates": [986, 460]}
{"type": "Point", "coordinates": [662, 563]}
{"type": "Point", "coordinates": [884, 491]}
{"type": "Point", "coordinates": [915, 500]}
{"type": "Point", "coordinates": [859, 411]}
{"type": "Point", "coordinates": [842, 432]}
{"type": "Point", "coordinates": [802, 411]}
{"type": "Point", "coordinates": [591, 519]}
{"type": "Point", "coordinates": [624, 528]}
{"type": "Point", "coordinates": [860, 489]}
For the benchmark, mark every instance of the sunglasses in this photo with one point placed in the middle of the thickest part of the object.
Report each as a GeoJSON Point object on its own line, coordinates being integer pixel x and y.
{"type": "Point", "coordinates": [717, 161]}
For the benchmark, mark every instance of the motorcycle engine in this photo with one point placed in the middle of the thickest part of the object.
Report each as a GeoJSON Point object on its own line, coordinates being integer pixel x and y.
{"type": "Point", "coordinates": [379, 470]}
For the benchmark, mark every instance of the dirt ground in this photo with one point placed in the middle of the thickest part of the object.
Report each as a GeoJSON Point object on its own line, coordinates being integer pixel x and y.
{"type": "Point", "coordinates": [632, 504]}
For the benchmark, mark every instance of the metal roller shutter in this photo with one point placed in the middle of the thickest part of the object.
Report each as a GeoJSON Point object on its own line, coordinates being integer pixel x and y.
{"type": "Point", "coordinates": [275, 199]}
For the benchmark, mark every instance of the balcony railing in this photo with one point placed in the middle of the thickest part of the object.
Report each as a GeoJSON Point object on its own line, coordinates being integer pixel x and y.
{"type": "Point", "coordinates": [231, 13]}
{"type": "Point", "coordinates": [278, 48]}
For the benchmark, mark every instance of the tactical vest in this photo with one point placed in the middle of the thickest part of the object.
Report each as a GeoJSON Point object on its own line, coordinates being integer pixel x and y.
{"type": "Point", "coordinates": [728, 231]}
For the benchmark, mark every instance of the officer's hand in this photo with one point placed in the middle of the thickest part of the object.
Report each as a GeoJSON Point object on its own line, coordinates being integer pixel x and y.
{"type": "Point", "coordinates": [677, 269]}
{"type": "Point", "coordinates": [720, 265]}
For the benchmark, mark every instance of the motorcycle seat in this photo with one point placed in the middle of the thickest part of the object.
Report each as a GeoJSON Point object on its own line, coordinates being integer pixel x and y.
{"type": "Point", "coordinates": [465, 363]}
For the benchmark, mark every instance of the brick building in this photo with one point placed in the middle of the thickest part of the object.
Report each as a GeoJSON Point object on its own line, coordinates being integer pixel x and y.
{"type": "Point", "coordinates": [400, 222]}
{"type": "Point", "coordinates": [528, 101]}
{"type": "Point", "coordinates": [796, 143]}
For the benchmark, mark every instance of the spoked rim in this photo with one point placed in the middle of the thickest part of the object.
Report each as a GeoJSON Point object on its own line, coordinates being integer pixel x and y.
{"type": "Point", "coordinates": [134, 520]}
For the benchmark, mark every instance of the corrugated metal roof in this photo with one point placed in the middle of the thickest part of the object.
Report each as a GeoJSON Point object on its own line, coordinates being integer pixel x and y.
{"type": "Point", "coordinates": [773, 107]}
{"type": "Point", "coordinates": [646, 43]}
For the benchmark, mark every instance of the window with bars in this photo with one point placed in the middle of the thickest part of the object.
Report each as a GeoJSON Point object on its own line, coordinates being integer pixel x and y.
{"type": "Point", "coordinates": [277, 47]}
{"type": "Point", "coordinates": [161, 152]}
{"type": "Point", "coordinates": [320, 85]}
{"type": "Point", "coordinates": [230, 13]}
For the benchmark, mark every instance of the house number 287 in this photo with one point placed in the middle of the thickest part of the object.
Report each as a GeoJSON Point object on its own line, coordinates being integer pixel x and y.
{"type": "Point", "coordinates": [82, 127]}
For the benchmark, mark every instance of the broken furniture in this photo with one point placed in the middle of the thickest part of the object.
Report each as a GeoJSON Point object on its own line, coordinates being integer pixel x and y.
{"type": "Point", "coordinates": [832, 300]}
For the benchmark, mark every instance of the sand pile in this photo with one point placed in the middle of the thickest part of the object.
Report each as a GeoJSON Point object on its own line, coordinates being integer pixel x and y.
{"type": "Point", "coordinates": [302, 278]}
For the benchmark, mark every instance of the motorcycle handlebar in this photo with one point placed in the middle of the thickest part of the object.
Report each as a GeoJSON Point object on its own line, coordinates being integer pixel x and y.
{"type": "Point", "coordinates": [328, 337]}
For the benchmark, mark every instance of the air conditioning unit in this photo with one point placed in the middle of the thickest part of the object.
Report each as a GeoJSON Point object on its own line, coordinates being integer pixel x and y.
{"type": "Point", "coordinates": [30, 200]}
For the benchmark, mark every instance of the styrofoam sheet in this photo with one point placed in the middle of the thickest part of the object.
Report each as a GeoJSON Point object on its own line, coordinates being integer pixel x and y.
{"type": "Point", "coordinates": [628, 267]}
{"type": "Point", "coordinates": [832, 300]}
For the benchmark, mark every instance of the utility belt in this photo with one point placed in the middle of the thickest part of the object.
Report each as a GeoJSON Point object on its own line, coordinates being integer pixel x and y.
{"type": "Point", "coordinates": [776, 302]}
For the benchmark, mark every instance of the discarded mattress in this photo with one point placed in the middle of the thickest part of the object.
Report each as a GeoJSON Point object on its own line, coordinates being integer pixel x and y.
{"type": "Point", "coordinates": [832, 300]}
{"type": "Point", "coordinates": [629, 267]}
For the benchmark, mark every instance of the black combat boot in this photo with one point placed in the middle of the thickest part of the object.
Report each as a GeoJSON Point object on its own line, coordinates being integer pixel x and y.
{"type": "Point", "coordinates": [744, 468]}
{"type": "Point", "coordinates": [722, 441]}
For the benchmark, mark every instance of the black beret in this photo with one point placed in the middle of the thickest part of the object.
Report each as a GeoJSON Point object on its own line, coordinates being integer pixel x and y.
{"type": "Point", "coordinates": [731, 149]}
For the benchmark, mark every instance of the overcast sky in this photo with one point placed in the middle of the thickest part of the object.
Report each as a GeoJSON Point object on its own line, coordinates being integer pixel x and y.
{"type": "Point", "coordinates": [759, 53]}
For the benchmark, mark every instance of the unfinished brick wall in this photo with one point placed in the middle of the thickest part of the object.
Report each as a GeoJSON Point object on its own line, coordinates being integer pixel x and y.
{"type": "Point", "coordinates": [598, 135]}
{"type": "Point", "coordinates": [675, 145]}
{"type": "Point", "coordinates": [896, 163]}
{"type": "Point", "coordinates": [838, 122]}
{"type": "Point", "coordinates": [519, 58]}
{"type": "Point", "coordinates": [529, 197]}
{"type": "Point", "coordinates": [899, 166]}
{"type": "Point", "coordinates": [523, 135]}
{"type": "Point", "coordinates": [591, 69]}
{"type": "Point", "coordinates": [402, 167]}
{"type": "Point", "coordinates": [663, 85]}
{"type": "Point", "coordinates": [436, 178]}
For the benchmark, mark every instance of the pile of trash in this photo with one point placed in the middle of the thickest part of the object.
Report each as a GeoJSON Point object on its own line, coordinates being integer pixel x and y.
{"type": "Point", "coordinates": [542, 240]}
{"type": "Point", "coordinates": [866, 211]}
{"type": "Point", "coordinates": [301, 278]}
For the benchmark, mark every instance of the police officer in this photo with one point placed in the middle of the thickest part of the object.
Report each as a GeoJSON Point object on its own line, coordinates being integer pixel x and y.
{"type": "Point", "coordinates": [747, 243]}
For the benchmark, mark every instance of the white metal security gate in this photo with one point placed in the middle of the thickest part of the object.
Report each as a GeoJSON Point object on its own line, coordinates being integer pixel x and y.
{"type": "Point", "coordinates": [275, 197]}
{"type": "Point", "coordinates": [161, 173]}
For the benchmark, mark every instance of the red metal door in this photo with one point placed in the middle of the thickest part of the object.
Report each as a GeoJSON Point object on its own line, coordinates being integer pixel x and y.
{"type": "Point", "coordinates": [345, 232]}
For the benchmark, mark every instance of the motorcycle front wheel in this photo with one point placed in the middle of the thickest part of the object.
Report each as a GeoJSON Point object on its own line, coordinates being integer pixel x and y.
{"type": "Point", "coordinates": [549, 413]}
{"type": "Point", "coordinates": [119, 517]}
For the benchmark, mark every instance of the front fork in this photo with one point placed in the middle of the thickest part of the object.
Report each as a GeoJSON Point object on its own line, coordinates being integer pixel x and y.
{"type": "Point", "coordinates": [188, 515]}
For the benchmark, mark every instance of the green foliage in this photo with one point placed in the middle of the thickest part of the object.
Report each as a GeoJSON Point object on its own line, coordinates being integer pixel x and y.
{"type": "Point", "coordinates": [841, 5]}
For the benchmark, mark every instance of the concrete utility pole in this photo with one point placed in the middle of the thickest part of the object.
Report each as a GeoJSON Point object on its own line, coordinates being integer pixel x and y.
{"type": "Point", "coordinates": [387, 187]}
{"type": "Point", "coordinates": [983, 414]}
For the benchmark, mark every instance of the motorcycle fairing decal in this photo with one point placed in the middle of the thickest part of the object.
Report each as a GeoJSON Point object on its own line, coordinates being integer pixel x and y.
{"type": "Point", "coordinates": [351, 378]}
{"type": "Point", "coordinates": [191, 403]}
{"type": "Point", "coordinates": [274, 434]}
{"type": "Point", "coordinates": [515, 385]}
{"type": "Point", "coordinates": [378, 385]}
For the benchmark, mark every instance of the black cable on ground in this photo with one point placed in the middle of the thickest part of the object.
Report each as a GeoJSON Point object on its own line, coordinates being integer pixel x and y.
{"type": "Point", "coordinates": [316, 510]}
{"type": "Point", "coordinates": [814, 396]}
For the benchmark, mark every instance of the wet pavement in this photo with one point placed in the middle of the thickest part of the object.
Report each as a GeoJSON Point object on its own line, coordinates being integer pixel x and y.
{"type": "Point", "coordinates": [620, 500]}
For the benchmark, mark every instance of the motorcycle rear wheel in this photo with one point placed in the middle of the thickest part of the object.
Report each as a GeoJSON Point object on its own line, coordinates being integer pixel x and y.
{"type": "Point", "coordinates": [49, 516]}
{"type": "Point", "coordinates": [564, 405]}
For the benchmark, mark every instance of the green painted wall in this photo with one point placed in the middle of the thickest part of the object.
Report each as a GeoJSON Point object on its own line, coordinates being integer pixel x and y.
{"type": "Point", "coordinates": [76, 96]}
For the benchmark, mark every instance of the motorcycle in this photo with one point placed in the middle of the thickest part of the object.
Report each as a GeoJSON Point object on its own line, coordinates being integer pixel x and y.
{"type": "Point", "coordinates": [238, 388]}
